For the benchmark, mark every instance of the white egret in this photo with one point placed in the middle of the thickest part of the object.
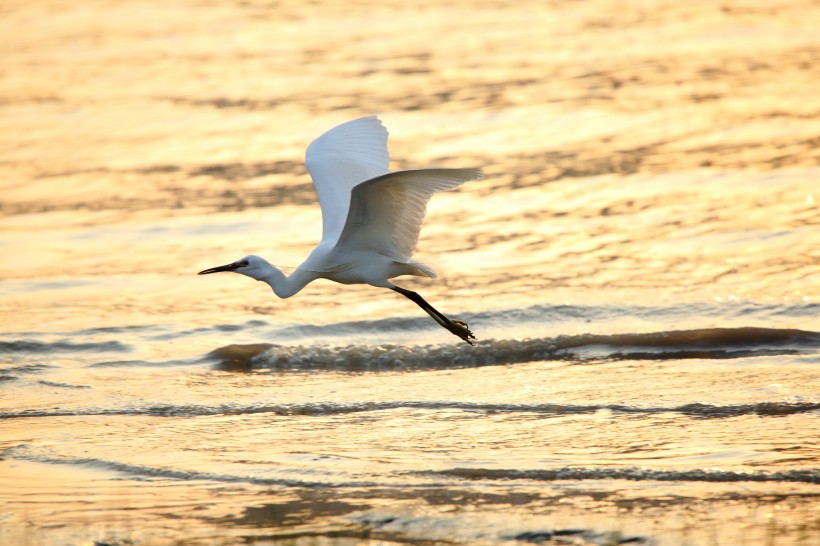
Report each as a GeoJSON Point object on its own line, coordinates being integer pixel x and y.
{"type": "Point", "coordinates": [371, 218]}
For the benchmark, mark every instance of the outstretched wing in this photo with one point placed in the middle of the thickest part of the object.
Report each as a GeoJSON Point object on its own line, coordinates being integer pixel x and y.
{"type": "Point", "coordinates": [386, 212]}
{"type": "Point", "coordinates": [339, 160]}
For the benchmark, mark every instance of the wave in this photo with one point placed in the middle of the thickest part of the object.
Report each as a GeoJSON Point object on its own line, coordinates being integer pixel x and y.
{"type": "Point", "coordinates": [697, 410]}
{"type": "Point", "coordinates": [62, 385]}
{"type": "Point", "coordinates": [145, 363]}
{"type": "Point", "coordinates": [42, 347]}
{"type": "Point", "coordinates": [539, 315]}
{"type": "Point", "coordinates": [25, 369]}
{"type": "Point", "coordinates": [708, 343]}
{"type": "Point", "coordinates": [397, 528]}
{"type": "Point", "coordinates": [529, 318]}
{"type": "Point", "coordinates": [809, 475]}
{"type": "Point", "coordinates": [23, 452]}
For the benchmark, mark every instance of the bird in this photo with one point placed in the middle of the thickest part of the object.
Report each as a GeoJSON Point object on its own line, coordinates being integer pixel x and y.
{"type": "Point", "coordinates": [371, 218]}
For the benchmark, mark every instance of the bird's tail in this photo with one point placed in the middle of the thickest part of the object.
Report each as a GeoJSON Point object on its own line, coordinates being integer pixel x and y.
{"type": "Point", "coordinates": [419, 269]}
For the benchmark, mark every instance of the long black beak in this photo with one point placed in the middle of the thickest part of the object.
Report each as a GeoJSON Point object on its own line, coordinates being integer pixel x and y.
{"type": "Point", "coordinates": [229, 267]}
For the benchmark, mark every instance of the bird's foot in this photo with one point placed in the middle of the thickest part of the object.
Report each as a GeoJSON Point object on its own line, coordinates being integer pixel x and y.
{"type": "Point", "coordinates": [460, 329]}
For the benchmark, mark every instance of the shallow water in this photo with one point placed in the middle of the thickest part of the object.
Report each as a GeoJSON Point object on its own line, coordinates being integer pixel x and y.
{"type": "Point", "coordinates": [640, 266]}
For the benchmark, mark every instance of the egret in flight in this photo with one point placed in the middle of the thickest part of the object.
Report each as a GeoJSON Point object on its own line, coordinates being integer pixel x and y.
{"type": "Point", "coordinates": [371, 218]}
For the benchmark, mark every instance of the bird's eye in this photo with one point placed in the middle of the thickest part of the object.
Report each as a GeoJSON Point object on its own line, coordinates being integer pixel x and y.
{"type": "Point", "coordinates": [242, 263]}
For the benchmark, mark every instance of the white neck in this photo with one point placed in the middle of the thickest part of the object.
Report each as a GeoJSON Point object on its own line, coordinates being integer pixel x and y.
{"type": "Point", "coordinates": [285, 286]}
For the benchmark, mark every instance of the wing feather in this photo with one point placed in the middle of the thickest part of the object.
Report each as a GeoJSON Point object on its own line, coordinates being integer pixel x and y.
{"type": "Point", "coordinates": [386, 212]}
{"type": "Point", "coordinates": [339, 160]}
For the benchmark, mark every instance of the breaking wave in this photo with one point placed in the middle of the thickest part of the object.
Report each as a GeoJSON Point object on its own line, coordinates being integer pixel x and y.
{"type": "Point", "coordinates": [710, 343]}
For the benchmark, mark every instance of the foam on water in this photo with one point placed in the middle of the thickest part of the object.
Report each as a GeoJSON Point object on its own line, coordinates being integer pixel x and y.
{"type": "Point", "coordinates": [712, 343]}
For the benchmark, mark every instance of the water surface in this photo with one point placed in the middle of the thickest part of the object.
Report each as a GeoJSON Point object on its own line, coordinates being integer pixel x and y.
{"type": "Point", "coordinates": [640, 266]}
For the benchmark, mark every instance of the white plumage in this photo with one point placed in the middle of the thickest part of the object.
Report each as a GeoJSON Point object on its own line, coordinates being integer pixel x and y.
{"type": "Point", "coordinates": [371, 218]}
{"type": "Point", "coordinates": [386, 213]}
{"type": "Point", "coordinates": [339, 160]}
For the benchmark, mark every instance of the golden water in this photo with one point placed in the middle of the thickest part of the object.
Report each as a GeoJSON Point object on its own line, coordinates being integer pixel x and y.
{"type": "Point", "coordinates": [640, 266]}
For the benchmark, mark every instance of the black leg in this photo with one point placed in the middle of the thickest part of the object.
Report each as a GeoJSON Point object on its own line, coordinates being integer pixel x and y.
{"type": "Point", "coordinates": [454, 326]}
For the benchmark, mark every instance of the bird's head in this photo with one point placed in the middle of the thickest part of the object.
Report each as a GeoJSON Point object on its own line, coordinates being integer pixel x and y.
{"type": "Point", "coordinates": [250, 266]}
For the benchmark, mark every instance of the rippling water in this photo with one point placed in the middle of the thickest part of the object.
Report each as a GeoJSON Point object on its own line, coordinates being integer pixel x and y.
{"type": "Point", "coordinates": [640, 266]}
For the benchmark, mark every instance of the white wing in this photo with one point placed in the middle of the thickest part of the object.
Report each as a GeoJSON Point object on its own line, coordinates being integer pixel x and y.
{"type": "Point", "coordinates": [341, 158]}
{"type": "Point", "coordinates": [386, 212]}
